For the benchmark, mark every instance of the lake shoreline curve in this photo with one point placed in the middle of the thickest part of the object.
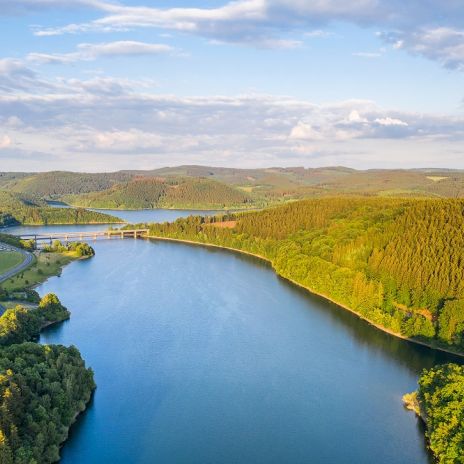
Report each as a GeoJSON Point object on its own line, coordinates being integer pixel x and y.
{"type": "Point", "coordinates": [308, 289]}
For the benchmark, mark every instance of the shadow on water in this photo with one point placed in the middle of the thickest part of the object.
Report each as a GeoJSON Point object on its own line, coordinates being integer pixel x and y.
{"type": "Point", "coordinates": [422, 429]}
{"type": "Point", "coordinates": [411, 355]}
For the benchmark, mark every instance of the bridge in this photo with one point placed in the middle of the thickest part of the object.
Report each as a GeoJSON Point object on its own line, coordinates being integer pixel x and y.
{"type": "Point", "coordinates": [92, 235]}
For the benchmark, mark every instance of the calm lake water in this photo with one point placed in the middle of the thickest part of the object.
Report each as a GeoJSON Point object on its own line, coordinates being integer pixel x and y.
{"type": "Point", "coordinates": [206, 356]}
{"type": "Point", "coordinates": [131, 217]}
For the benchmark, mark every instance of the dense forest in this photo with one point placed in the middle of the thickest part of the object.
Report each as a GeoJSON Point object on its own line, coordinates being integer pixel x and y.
{"type": "Point", "coordinates": [397, 263]}
{"type": "Point", "coordinates": [148, 193]}
{"type": "Point", "coordinates": [440, 402]}
{"type": "Point", "coordinates": [263, 186]}
{"type": "Point", "coordinates": [22, 209]}
{"type": "Point", "coordinates": [19, 325]}
{"type": "Point", "coordinates": [42, 388]}
{"type": "Point", "coordinates": [52, 185]}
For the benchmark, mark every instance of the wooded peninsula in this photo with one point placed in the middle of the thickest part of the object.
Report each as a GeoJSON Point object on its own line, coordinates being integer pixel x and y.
{"type": "Point", "coordinates": [42, 387]}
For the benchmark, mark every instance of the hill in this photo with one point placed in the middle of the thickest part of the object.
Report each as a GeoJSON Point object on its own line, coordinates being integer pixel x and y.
{"type": "Point", "coordinates": [53, 185]}
{"type": "Point", "coordinates": [22, 209]}
{"type": "Point", "coordinates": [147, 193]}
{"type": "Point", "coordinates": [260, 187]}
{"type": "Point", "coordinates": [395, 262]}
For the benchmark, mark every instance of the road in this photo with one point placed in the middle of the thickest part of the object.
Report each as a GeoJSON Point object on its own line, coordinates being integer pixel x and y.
{"type": "Point", "coordinates": [28, 259]}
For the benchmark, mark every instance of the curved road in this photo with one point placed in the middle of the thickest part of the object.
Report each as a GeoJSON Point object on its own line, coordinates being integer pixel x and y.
{"type": "Point", "coordinates": [28, 258]}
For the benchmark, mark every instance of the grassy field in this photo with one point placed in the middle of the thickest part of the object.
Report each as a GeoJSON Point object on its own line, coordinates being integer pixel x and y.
{"type": "Point", "coordinates": [9, 259]}
{"type": "Point", "coordinates": [45, 266]}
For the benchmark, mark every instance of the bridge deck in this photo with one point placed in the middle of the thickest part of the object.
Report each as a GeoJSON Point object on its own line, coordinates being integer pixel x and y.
{"type": "Point", "coordinates": [98, 234]}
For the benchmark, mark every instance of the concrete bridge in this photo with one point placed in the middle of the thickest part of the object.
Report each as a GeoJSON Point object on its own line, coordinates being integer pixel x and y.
{"type": "Point", "coordinates": [84, 235]}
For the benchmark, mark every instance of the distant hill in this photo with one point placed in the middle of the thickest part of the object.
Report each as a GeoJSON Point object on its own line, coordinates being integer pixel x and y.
{"type": "Point", "coordinates": [21, 209]}
{"type": "Point", "coordinates": [53, 185]}
{"type": "Point", "coordinates": [156, 192]}
{"type": "Point", "coordinates": [203, 187]}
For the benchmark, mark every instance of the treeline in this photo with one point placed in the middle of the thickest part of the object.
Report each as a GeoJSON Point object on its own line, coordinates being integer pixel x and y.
{"type": "Point", "coordinates": [440, 402]}
{"type": "Point", "coordinates": [18, 325]}
{"type": "Point", "coordinates": [148, 193]}
{"type": "Point", "coordinates": [398, 263]}
{"type": "Point", "coordinates": [42, 388]}
{"type": "Point", "coordinates": [15, 209]}
{"type": "Point", "coordinates": [80, 249]}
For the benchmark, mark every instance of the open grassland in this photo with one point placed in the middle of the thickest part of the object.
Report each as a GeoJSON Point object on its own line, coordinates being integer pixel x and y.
{"type": "Point", "coordinates": [45, 266]}
{"type": "Point", "coordinates": [9, 259]}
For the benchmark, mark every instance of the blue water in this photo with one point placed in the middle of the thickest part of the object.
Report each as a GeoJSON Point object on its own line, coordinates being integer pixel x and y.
{"type": "Point", "coordinates": [131, 217]}
{"type": "Point", "coordinates": [205, 356]}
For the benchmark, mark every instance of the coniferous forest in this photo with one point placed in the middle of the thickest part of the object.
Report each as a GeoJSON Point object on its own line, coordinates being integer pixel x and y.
{"type": "Point", "coordinates": [22, 209]}
{"type": "Point", "coordinates": [397, 263]}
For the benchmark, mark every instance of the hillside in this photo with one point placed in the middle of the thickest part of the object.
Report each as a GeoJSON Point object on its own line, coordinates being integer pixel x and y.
{"type": "Point", "coordinates": [295, 183]}
{"type": "Point", "coordinates": [263, 186]}
{"type": "Point", "coordinates": [53, 185]}
{"type": "Point", "coordinates": [22, 209]}
{"type": "Point", "coordinates": [397, 263]}
{"type": "Point", "coordinates": [147, 193]}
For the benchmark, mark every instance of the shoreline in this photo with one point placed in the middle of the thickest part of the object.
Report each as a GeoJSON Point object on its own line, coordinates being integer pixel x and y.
{"type": "Point", "coordinates": [220, 210]}
{"type": "Point", "coordinates": [310, 290]}
{"type": "Point", "coordinates": [67, 224]}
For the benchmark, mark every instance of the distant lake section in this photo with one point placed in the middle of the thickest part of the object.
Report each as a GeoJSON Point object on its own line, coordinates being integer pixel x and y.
{"type": "Point", "coordinates": [131, 217]}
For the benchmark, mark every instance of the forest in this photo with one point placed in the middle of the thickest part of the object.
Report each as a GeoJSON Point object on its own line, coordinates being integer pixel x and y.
{"type": "Point", "coordinates": [440, 402]}
{"type": "Point", "coordinates": [42, 387]}
{"type": "Point", "coordinates": [22, 209]}
{"type": "Point", "coordinates": [395, 262]}
{"type": "Point", "coordinates": [149, 193]}
{"type": "Point", "coordinates": [229, 187]}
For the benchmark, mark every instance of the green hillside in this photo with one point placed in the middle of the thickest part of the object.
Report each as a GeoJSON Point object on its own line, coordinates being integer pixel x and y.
{"type": "Point", "coordinates": [263, 186]}
{"type": "Point", "coordinates": [53, 185]}
{"type": "Point", "coordinates": [146, 193]}
{"type": "Point", "coordinates": [397, 263]}
{"type": "Point", "coordinates": [22, 209]}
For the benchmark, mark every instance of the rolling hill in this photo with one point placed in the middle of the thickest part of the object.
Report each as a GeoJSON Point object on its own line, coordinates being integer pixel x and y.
{"type": "Point", "coordinates": [156, 192]}
{"type": "Point", "coordinates": [22, 209]}
{"type": "Point", "coordinates": [203, 187]}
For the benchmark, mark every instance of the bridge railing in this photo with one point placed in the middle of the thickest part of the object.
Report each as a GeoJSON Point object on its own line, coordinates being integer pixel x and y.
{"type": "Point", "coordinates": [99, 234]}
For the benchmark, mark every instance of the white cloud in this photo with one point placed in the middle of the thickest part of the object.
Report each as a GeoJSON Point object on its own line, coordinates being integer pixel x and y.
{"type": "Point", "coordinates": [5, 142]}
{"type": "Point", "coordinates": [433, 30]}
{"type": "Point", "coordinates": [442, 44]}
{"type": "Point", "coordinates": [304, 131]}
{"type": "Point", "coordinates": [121, 122]}
{"type": "Point", "coordinates": [90, 52]}
{"type": "Point", "coordinates": [390, 122]}
{"type": "Point", "coordinates": [355, 117]}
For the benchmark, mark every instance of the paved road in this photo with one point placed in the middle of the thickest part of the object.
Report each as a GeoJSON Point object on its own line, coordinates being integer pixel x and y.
{"type": "Point", "coordinates": [28, 258]}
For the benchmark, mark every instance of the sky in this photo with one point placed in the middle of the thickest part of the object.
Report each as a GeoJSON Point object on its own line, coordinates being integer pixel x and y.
{"type": "Point", "coordinates": [100, 85]}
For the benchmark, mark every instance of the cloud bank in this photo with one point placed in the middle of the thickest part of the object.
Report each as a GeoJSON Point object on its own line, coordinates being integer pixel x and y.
{"type": "Point", "coordinates": [432, 29]}
{"type": "Point", "coordinates": [106, 122]}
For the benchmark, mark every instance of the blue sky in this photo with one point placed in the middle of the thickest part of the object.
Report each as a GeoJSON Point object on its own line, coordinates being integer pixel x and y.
{"type": "Point", "coordinates": [97, 85]}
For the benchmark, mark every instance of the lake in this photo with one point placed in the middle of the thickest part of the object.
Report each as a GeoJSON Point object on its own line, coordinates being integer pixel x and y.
{"type": "Point", "coordinates": [131, 217]}
{"type": "Point", "coordinates": [206, 356]}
